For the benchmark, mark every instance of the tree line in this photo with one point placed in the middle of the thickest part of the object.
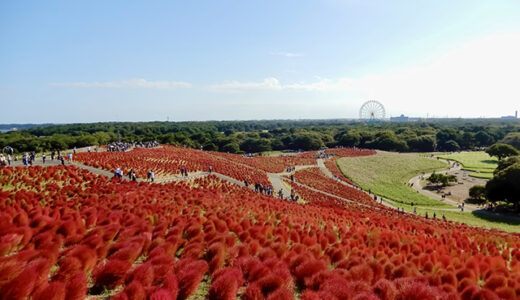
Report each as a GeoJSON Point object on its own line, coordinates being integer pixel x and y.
{"type": "Point", "coordinates": [259, 136]}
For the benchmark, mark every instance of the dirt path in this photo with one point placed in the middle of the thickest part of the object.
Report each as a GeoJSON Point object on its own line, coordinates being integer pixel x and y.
{"type": "Point", "coordinates": [278, 184]}
{"type": "Point", "coordinates": [417, 184]}
{"type": "Point", "coordinates": [329, 174]}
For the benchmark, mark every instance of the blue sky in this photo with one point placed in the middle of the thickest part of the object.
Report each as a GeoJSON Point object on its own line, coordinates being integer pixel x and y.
{"type": "Point", "coordinates": [87, 61]}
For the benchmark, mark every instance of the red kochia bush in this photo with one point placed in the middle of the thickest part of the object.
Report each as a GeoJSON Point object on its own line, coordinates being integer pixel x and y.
{"type": "Point", "coordinates": [307, 269]}
{"type": "Point", "coordinates": [495, 281]}
{"type": "Point", "coordinates": [135, 291]}
{"type": "Point", "coordinates": [111, 274]}
{"type": "Point", "coordinates": [281, 294]}
{"type": "Point", "coordinates": [161, 294]}
{"type": "Point", "coordinates": [21, 286]}
{"type": "Point", "coordinates": [338, 287]}
{"type": "Point", "coordinates": [226, 284]}
{"type": "Point", "coordinates": [415, 290]}
{"type": "Point", "coordinates": [144, 273]}
{"type": "Point", "coordinates": [77, 286]}
{"type": "Point", "coordinates": [54, 291]}
{"type": "Point", "coordinates": [385, 289]}
{"type": "Point", "coordinates": [190, 276]}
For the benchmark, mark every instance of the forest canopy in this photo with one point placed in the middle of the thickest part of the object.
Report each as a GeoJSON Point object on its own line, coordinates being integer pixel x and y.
{"type": "Point", "coordinates": [258, 136]}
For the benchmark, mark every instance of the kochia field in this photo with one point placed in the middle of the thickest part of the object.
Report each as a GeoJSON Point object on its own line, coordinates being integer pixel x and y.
{"type": "Point", "coordinates": [66, 233]}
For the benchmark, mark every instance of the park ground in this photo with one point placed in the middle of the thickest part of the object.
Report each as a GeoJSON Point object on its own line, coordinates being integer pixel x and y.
{"type": "Point", "coordinates": [391, 175]}
{"type": "Point", "coordinates": [478, 163]}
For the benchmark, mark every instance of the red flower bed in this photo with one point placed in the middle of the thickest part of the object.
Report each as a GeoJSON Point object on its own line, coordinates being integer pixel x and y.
{"type": "Point", "coordinates": [314, 177]}
{"type": "Point", "coordinates": [333, 168]}
{"type": "Point", "coordinates": [167, 161]}
{"type": "Point", "coordinates": [66, 233]}
{"type": "Point", "coordinates": [350, 152]}
{"type": "Point", "coordinates": [272, 164]}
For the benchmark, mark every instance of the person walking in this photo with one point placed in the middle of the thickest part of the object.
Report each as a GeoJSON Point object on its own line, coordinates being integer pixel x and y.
{"type": "Point", "coordinates": [151, 176]}
{"type": "Point", "coordinates": [210, 168]}
{"type": "Point", "coordinates": [43, 158]}
{"type": "Point", "coordinates": [8, 159]}
{"type": "Point", "coordinates": [52, 155]}
{"type": "Point", "coordinates": [70, 157]}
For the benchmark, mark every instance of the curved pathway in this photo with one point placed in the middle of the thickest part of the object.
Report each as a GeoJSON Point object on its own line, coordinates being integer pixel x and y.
{"type": "Point", "coordinates": [416, 184]}
{"type": "Point", "coordinates": [329, 174]}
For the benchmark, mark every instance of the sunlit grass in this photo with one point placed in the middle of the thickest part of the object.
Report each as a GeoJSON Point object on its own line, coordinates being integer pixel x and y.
{"type": "Point", "coordinates": [387, 174]}
{"type": "Point", "coordinates": [479, 162]}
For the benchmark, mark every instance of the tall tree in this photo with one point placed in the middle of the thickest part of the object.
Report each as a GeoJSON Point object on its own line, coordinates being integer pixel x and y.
{"type": "Point", "coordinates": [502, 150]}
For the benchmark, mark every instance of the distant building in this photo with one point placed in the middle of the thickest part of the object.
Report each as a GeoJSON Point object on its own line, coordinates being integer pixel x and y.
{"type": "Point", "coordinates": [510, 117]}
{"type": "Point", "coordinates": [401, 118]}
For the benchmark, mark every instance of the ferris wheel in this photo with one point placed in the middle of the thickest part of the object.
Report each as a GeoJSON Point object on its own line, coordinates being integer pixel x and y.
{"type": "Point", "coordinates": [372, 110]}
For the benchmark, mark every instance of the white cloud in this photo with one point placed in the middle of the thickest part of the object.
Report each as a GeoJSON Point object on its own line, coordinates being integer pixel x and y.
{"type": "Point", "coordinates": [129, 83]}
{"type": "Point", "coordinates": [269, 83]}
{"type": "Point", "coordinates": [285, 54]}
{"type": "Point", "coordinates": [476, 78]}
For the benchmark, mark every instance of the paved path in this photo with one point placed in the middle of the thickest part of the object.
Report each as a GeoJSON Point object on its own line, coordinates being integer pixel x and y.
{"type": "Point", "coordinates": [329, 174]}
{"type": "Point", "coordinates": [416, 184]}
{"type": "Point", "coordinates": [278, 184]}
{"type": "Point", "coordinates": [324, 168]}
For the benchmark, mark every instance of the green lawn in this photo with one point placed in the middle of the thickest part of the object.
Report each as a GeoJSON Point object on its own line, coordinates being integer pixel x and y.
{"type": "Point", "coordinates": [478, 162]}
{"type": "Point", "coordinates": [387, 174]}
{"type": "Point", "coordinates": [477, 218]}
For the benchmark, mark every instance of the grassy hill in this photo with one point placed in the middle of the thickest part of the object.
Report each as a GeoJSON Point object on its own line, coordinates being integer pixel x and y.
{"type": "Point", "coordinates": [387, 174]}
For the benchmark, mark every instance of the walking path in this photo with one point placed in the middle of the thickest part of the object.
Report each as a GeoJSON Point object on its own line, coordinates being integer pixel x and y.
{"type": "Point", "coordinates": [278, 184]}
{"type": "Point", "coordinates": [329, 174]}
{"type": "Point", "coordinates": [416, 184]}
{"type": "Point", "coordinates": [276, 179]}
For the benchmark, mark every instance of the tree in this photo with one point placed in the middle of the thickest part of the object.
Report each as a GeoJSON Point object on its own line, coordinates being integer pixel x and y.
{"type": "Point", "coordinates": [451, 145]}
{"type": "Point", "coordinates": [484, 139]}
{"type": "Point", "coordinates": [210, 147]}
{"type": "Point", "coordinates": [277, 144]}
{"type": "Point", "coordinates": [505, 186]}
{"type": "Point", "coordinates": [349, 139]}
{"type": "Point", "coordinates": [512, 139]}
{"type": "Point", "coordinates": [425, 143]}
{"type": "Point", "coordinates": [231, 148]}
{"type": "Point", "coordinates": [389, 142]}
{"type": "Point", "coordinates": [506, 163]}
{"type": "Point", "coordinates": [442, 179]}
{"type": "Point", "coordinates": [86, 140]}
{"type": "Point", "coordinates": [306, 142]}
{"type": "Point", "coordinates": [467, 140]}
{"type": "Point", "coordinates": [501, 150]}
{"type": "Point", "coordinates": [252, 145]}
{"type": "Point", "coordinates": [103, 138]}
{"type": "Point", "coordinates": [445, 137]}
{"type": "Point", "coordinates": [478, 193]}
